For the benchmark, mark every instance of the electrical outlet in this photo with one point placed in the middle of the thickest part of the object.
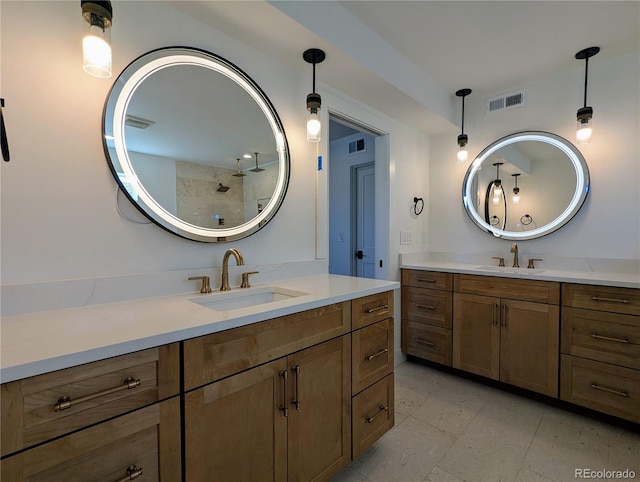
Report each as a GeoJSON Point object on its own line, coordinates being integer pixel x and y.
{"type": "Point", "coordinates": [406, 237]}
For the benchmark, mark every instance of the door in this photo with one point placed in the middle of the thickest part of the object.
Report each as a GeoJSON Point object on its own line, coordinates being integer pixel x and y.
{"type": "Point", "coordinates": [529, 346]}
{"type": "Point", "coordinates": [236, 429]}
{"type": "Point", "coordinates": [319, 410]}
{"type": "Point", "coordinates": [476, 334]}
{"type": "Point", "coordinates": [365, 220]}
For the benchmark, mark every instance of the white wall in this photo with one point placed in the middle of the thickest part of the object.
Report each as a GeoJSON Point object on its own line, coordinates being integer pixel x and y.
{"type": "Point", "coordinates": [608, 225]}
{"type": "Point", "coordinates": [58, 195]}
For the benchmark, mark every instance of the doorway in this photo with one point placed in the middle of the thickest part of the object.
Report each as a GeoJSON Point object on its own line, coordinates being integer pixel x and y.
{"type": "Point", "coordinates": [357, 245]}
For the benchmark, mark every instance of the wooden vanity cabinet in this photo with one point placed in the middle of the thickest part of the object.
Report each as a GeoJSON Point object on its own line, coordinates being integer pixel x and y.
{"type": "Point", "coordinates": [427, 304]}
{"type": "Point", "coordinates": [105, 420]}
{"type": "Point", "coordinates": [513, 337]}
{"type": "Point", "coordinates": [286, 419]}
{"type": "Point", "coordinates": [600, 361]}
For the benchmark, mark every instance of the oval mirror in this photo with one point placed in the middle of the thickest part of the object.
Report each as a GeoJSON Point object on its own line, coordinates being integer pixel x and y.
{"type": "Point", "coordinates": [525, 185]}
{"type": "Point", "coordinates": [196, 145]}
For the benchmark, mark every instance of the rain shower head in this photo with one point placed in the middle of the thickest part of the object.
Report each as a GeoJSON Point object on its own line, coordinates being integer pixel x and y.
{"type": "Point", "coordinates": [239, 173]}
{"type": "Point", "coordinates": [256, 169]}
{"type": "Point", "coordinates": [222, 188]}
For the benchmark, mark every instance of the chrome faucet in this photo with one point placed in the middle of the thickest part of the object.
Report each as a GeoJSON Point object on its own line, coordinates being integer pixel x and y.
{"type": "Point", "coordinates": [514, 250]}
{"type": "Point", "coordinates": [225, 267]}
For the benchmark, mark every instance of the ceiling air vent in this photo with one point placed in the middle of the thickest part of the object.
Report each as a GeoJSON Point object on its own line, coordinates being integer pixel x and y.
{"type": "Point", "coordinates": [513, 100]}
{"type": "Point", "coordinates": [138, 122]}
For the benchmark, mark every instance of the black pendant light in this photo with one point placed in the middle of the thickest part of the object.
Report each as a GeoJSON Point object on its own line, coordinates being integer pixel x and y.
{"type": "Point", "coordinates": [585, 113]}
{"type": "Point", "coordinates": [516, 190]}
{"type": "Point", "coordinates": [314, 126]}
{"type": "Point", "coordinates": [462, 138]}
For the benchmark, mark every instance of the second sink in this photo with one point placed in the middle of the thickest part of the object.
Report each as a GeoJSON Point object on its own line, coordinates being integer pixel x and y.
{"type": "Point", "coordinates": [232, 300]}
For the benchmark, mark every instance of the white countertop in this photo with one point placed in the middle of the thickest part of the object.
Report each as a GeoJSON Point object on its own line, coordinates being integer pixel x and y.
{"type": "Point", "coordinates": [36, 343]}
{"type": "Point", "coordinates": [619, 279]}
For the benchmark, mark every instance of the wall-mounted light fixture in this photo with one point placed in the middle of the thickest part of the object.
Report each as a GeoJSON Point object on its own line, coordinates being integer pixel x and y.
{"type": "Point", "coordinates": [314, 126]}
{"type": "Point", "coordinates": [96, 43]}
{"type": "Point", "coordinates": [516, 190]}
{"type": "Point", "coordinates": [462, 138]}
{"type": "Point", "coordinates": [585, 114]}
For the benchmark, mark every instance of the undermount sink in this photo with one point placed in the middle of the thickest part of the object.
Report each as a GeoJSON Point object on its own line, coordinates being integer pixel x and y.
{"type": "Point", "coordinates": [243, 298]}
{"type": "Point", "coordinates": [506, 269]}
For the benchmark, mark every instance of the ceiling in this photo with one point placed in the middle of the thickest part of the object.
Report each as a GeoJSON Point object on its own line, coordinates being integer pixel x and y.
{"type": "Point", "coordinates": [407, 58]}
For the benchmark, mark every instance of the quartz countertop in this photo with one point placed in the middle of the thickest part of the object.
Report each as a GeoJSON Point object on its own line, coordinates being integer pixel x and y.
{"type": "Point", "coordinates": [36, 343]}
{"type": "Point", "coordinates": [628, 279]}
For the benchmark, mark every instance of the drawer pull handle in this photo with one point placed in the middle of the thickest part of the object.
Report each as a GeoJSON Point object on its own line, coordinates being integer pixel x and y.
{"type": "Point", "coordinates": [283, 407]}
{"type": "Point", "coordinates": [383, 409]}
{"type": "Point", "coordinates": [426, 280]}
{"type": "Point", "coordinates": [426, 307]}
{"type": "Point", "coordinates": [420, 341]}
{"type": "Point", "coordinates": [377, 308]}
{"type": "Point", "coordinates": [381, 351]}
{"type": "Point", "coordinates": [296, 401]}
{"type": "Point", "coordinates": [66, 402]}
{"type": "Point", "coordinates": [610, 300]}
{"type": "Point", "coordinates": [622, 393]}
{"type": "Point", "coordinates": [608, 338]}
{"type": "Point", "coordinates": [133, 473]}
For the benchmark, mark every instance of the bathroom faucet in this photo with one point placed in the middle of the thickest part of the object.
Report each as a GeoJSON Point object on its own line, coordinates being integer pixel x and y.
{"type": "Point", "coordinates": [225, 267]}
{"type": "Point", "coordinates": [514, 250]}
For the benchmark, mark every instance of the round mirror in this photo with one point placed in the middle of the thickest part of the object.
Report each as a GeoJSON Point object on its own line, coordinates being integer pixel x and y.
{"type": "Point", "coordinates": [525, 185]}
{"type": "Point", "coordinates": [196, 145]}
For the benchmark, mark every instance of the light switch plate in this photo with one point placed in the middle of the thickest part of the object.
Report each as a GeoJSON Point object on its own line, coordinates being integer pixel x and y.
{"type": "Point", "coordinates": [406, 237]}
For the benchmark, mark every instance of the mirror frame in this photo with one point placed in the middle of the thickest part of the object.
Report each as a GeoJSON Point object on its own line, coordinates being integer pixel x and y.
{"type": "Point", "coordinates": [579, 195]}
{"type": "Point", "coordinates": [113, 130]}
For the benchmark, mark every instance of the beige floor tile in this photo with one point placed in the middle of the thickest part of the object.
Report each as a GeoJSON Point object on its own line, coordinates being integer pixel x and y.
{"type": "Point", "coordinates": [624, 452]}
{"type": "Point", "coordinates": [493, 446]}
{"type": "Point", "coordinates": [407, 401]}
{"type": "Point", "coordinates": [566, 442]}
{"type": "Point", "coordinates": [349, 474]}
{"type": "Point", "coordinates": [454, 405]}
{"type": "Point", "coordinates": [526, 475]}
{"type": "Point", "coordinates": [408, 453]}
{"type": "Point", "coordinates": [416, 377]}
{"type": "Point", "coordinates": [439, 475]}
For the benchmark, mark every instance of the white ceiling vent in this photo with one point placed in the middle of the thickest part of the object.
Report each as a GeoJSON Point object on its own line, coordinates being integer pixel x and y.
{"type": "Point", "coordinates": [514, 100]}
{"type": "Point", "coordinates": [137, 122]}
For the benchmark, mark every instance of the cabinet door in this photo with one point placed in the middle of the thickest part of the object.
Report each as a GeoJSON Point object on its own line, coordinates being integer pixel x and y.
{"type": "Point", "coordinates": [142, 445]}
{"type": "Point", "coordinates": [235, 429]}
{"type": "Point", "coordinates": [529, 346]}
{"type": "Point", "coordinates": [476, 334]}
{"type": "Point", "coordinates": [319, 415]}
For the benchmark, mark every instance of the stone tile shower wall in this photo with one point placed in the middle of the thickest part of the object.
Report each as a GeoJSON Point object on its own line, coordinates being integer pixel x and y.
{"type": "Point", "coordinates": [198, 198]}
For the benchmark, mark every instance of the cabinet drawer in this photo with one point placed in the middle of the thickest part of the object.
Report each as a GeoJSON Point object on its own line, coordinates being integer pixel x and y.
{"type": "Point", "coordinates": [427, 306]}
{"type": "Point", "coordinates": [605, 298]}
{"type": "Point", "coordinates": [209, 358]}
{"type": "Point", "coordinates": [428, 342]}
{"type": "Point", "coordinates": [607, 337]}
{"type": "Point", "coordinates": [600, 386]}
{"type": "Point", "coordinates": [34, 410]}
{"type": "Point", "coordinates": [509, 288]}
{"type": "Point", "coordinates": [427, 279]}
{"type": "Point", "coordinates": [373, 415]}
{"type": "Point", "coordinates": [370, 309]}
{"type": "Point", "coordinates": [372, 354]}
{"type": "Point", "coordinates": [147, 439]}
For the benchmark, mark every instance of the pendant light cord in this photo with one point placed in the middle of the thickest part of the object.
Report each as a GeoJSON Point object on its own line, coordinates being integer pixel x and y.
{"type": "Point", "coordinates": [586, 78]}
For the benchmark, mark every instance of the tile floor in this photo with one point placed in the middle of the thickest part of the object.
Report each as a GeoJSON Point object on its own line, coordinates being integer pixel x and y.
{"type": "Point", "coordinates": [450, 429]}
